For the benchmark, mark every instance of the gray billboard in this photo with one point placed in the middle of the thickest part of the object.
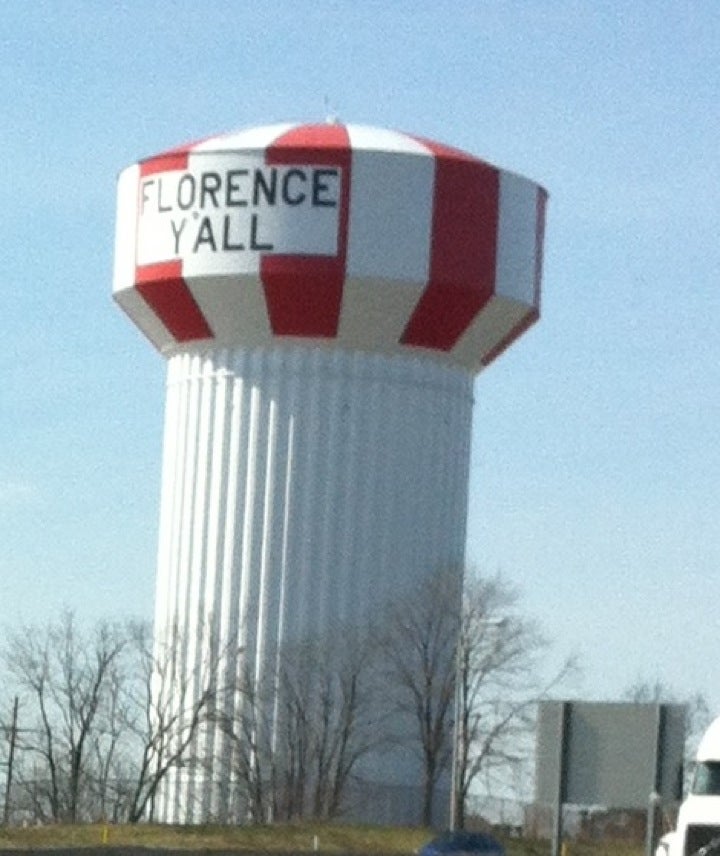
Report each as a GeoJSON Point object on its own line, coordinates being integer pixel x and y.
{"type": "Point", "coordinates": [610, 754]}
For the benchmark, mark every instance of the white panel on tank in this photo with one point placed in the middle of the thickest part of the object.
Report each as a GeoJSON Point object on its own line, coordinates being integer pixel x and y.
{"type": "Point", "coordinates": [132, 302]}
{"type": "Point", "coordinates": [388, 246]}
{"type": "Point", "coordinates": [491, 326]}
{"type": "Point", "coordinates": [517, 238]}
{"type": "Point", "coordinates": [384, 140]}
{"type": "Point", "coordinates": [237, 307]}
{"type": "Point", "coordinates": [390, 216]}
{"type": "Point", "coordinates": [125, 229]}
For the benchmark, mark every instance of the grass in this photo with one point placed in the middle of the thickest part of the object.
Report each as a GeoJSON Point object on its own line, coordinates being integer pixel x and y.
{"type": "Point", "coordinates": [288, 839]}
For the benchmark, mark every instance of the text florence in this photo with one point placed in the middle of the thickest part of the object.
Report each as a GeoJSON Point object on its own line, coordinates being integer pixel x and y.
{"type": "Point", "coordinates": [316, 187]}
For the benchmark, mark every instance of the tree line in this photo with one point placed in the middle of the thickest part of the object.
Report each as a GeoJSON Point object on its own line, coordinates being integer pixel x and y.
{"type": "Point", "coordinates": [96, 720]}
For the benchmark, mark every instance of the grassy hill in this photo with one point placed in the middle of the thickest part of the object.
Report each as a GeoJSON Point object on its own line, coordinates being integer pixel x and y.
{"type": "Point", "coordinates": [292, 839]}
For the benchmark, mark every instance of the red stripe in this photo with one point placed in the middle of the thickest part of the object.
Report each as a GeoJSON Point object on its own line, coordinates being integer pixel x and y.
{"type": "Point", "coordinates": [534, 313]}
{"type": "Point", "coordinates": [162, 285]}
{"type": "Point", "coordinates": [462, 252]}
{"type": "Point", "coordinates": [304, 293]}
{"type": "Point", "coordinates": [174, 159]}
{"type": "Point", "coordinates": [165, 291]}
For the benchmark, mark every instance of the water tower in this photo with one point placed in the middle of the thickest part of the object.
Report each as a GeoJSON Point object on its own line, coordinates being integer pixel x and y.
{"type": "Point", "coordinates": [324, 295]}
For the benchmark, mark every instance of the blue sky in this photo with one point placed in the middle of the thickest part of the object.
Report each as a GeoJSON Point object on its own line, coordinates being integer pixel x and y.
{"type": "Point", "coordinates": [596, 461]}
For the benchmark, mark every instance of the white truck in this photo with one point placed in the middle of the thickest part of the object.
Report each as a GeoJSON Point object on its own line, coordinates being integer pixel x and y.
{"type": "Point", "coordinates": [697, 832]}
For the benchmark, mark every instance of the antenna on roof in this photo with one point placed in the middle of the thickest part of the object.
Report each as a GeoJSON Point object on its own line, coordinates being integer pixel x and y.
{"type": "Point", "coordinates": [330, 115]}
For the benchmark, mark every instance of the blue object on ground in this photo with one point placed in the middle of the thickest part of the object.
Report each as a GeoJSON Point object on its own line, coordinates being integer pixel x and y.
{"type": "Point", "coordinates": [461, 843]}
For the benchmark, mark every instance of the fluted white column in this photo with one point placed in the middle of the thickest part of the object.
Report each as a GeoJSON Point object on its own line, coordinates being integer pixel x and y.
{"type": "Point", "coordinates": [301, 488]}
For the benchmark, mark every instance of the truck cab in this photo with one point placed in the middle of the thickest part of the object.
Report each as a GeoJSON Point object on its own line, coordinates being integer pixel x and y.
{"type": "Point", "coordinates": [699, 817]}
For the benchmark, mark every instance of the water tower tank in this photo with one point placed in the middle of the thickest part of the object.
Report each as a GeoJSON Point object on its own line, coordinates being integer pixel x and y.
{"type": "Point", "coordinates": [324, 295]}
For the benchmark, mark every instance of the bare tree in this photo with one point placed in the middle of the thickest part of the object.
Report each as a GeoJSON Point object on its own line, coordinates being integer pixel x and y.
{"type": "Point", "coordinates": [342, 694]}
{"type": "Point", "coordinates": [419, 644]}
{"type": "Point", "coordinates": [163, 711]}
{"type": "Point", "coordinates": [298, 735]}
{"type": "Point", "coordinates": [62, 674]}
{"type": "Point", "coordinates": [247, 727]}
{"type": "Point", "coordinates": [466, 670]}
{"type": "Point", "coordinates": [501, 675]}
{"type": "Point", "coordinates": [104, 716]}
{"type": "Point", "coordinates": [7, 754]}
{"type": "Point", "coordinates": [109, 740]}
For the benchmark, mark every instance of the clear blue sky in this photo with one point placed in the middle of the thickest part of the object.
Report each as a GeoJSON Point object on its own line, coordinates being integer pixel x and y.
{"type": "Point", "coordinates": [596, 461]}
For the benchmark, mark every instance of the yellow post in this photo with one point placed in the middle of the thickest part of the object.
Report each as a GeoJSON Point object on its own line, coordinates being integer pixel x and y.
{"type": "Point", "coordinates": [564, 849]}
{"type": "Point", "coordinates": [106, 833]}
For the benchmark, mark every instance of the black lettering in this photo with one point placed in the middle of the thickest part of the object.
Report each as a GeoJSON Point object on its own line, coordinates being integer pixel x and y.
{"type": "Point", "coordinates": [186, 198]}
{"type": "Point", "coordinates": [145, 197]}
{"type": "Point", "coordinates": [205, 235]}
{"type": "Point", "coordinates": [210, 183]}
{"type": "Point", "coordinates": [226, 243]}
{"type": "Point", "coordinates": [269, 190]}
{"type": "Point", "coordinates": [322, 194]}
{"type": "Point", "coordinates": [299, 198]}
{"type": "Point", "coordinates": [233, 191]}
{"type": "Point", "coordinates": [254, 245]}
{"type": "Point", "coordinates": [177, 231]}
{"type": "Point", "coordinates": [162, 207]}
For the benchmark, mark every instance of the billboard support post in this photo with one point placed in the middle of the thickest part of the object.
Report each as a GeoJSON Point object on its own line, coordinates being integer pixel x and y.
{"type": "Point", "coordinates": [563, 723]}
{"type": "Point", "coordinates": [655, 798]}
